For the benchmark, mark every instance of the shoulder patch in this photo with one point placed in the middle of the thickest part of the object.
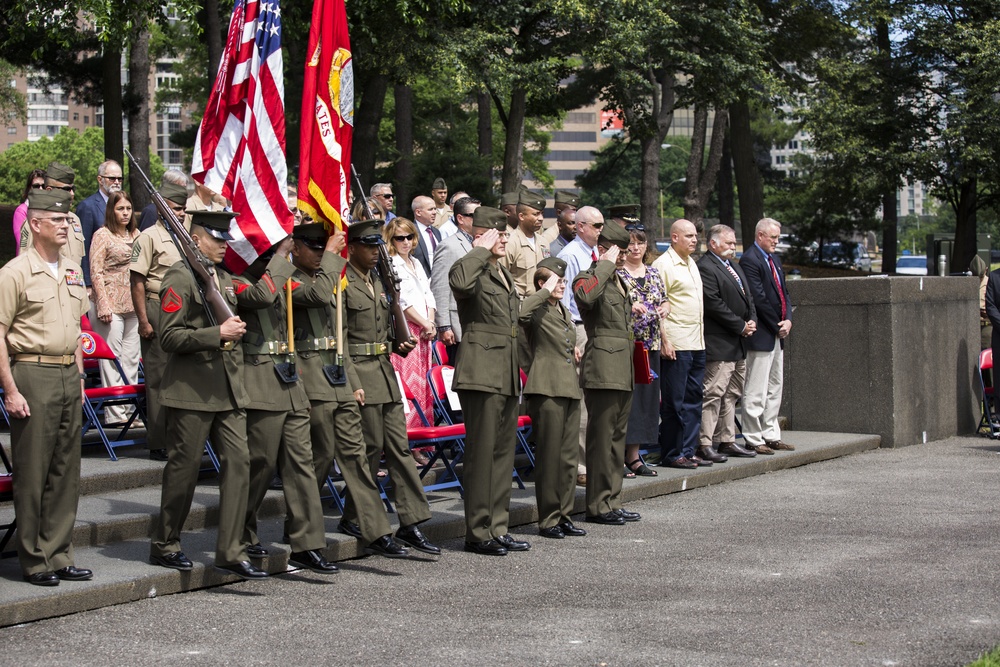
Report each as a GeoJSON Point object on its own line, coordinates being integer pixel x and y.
{"type": "Point", "coordinates": [295, 284]}
{"type": "Point", "coordinates": [587, 284]}
{"type": "Point", "coordinates": [171, 301]}
{"type": "Point", "coordinates": [241, 286]}
{"type": "Point", "coordinates": [135, 251]}
{"type": "Point", "coordinates": [270, 283]}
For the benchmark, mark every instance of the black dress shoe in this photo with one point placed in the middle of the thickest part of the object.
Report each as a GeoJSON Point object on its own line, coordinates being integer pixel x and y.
{"type": "Point", "coordinates": [276, 483]}
{"type": "Point", "coordinates": [510, 544]}
{"type": "Point", "coordinates": [554, 533]}
{"type": "Point", "coordinates": [487, 548]}
{"type": "Point", "coordinates": [608, 519]}
{"type": "Point", "coordinates": [628, 516]}
{"type": "Point", "coordinates": [257, 551]}
{"type": "Point", "coordinates": [736, 449]}
{"type": "Point", "coordinates": [176, 560]}
{"type": "Point", "coordinates": [157, 455]}
{"type": "Point", "coordinates": [412, 537]}
{"type": "Point", "coordinates": [386, 546]}
{"type": "Point", "coordinates": [700, 462]}
{"type": "Point", "coordinates": [244, 570]}
{"type": "Point", "coordinates": [312, 560]}
{"type": "Point", "coordinates": [42, 579]}
{"type": "Point", "coordinates": [71, 573]}
{"type": "Point", "coordinates": [681, 463]}
{"type": "Point", "coordinates": [349, 528]}
{"type": "Point", "coordinates": [570, 530]}
{"type": "Point", "coordinates": [709, 454]}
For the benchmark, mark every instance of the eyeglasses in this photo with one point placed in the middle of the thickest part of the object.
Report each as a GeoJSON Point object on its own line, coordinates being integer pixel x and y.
{"type": "Point", "coordinates": [386, 195]}
{"type": "Point", "coordinates": [67, 188]}
{"type": "Point", "coordinates": [408, 237]}
{"type": "Point", "coordinates": [118, 179]}
{"type": "Point", "coordinates": [598, 225]}
{"type": "Point", "coordinates": [38, 186]}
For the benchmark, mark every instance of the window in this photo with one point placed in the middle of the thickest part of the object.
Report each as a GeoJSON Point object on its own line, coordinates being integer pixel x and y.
{"type": "Point", "coordinates": [565, 156]}
{"type": "Point", "coordinates": [11, 130]}
{"type": "Point", "coordinates": [581, 118]}
{"type": "Point", "coordinates": [575, 136]}
{"type": "Point", "coordinates": [76, 115]}
{"type": "Point", "coordinates": [86, 120]}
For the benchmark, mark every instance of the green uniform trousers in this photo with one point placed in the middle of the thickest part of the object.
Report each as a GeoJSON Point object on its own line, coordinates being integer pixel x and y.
{"type": "Point", "coordinates": [336, 433]}
{"type": "Point", "coordinates": [608, 421]}
{"type": "Point", "coordinates": [154, 360]}
{"type": "Point", "coordinates": [555, 427]}
{"type": "Point", "coordinates": [186, 435]}
{"type": "Point", "coordinates": [490, 428]}
{"type": "Point", "coordinates": [46, 459]}
{"type": "Point", "coordinates": [281, 439]}
{"type": "Point", "coordinates": [384, 426]}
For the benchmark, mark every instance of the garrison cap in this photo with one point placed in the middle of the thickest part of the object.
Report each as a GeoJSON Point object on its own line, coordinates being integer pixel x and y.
{"type": "Point", "coordinates": [56, 201]}
{"type": "Point", "coordinates": [60, 172]}
{"type": "Point", "coordinates": [509, 198]}
{"type": "Point", "coordinates": [568, 198]}
{"type": "Point", "coordinates": [312, 235]}
{"type": "Point", "coordinates": [625, 211]}
{"type": "Point", "coordinates": [487, 217]}
{"type": "Point", "coordinates": [216, 223]}
{"type": "Point", "coordinates": [365, 232]}
{"type": "Point", "coordinates": [614, 235]}
{"type": "Point", "coordinates": [175, 193]}
{"type": "Point", "coordinates": [553, 264]}
{"type": "Point", "coordinates": [439, 184]}
{"type": "Point", "coordinates": [532, 199]}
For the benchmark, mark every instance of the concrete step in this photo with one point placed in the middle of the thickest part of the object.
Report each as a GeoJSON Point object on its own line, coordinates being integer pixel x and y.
{"type": "Point", "coordinates": [115, 545]}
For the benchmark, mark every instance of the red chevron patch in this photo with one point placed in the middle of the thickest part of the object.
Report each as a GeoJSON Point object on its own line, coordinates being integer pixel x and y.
{"type": "Point", "coordinates": [171, 302]}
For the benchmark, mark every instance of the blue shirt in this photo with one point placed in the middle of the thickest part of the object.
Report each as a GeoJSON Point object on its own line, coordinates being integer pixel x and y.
{"type": "Point", "coordinates": [578, 256]}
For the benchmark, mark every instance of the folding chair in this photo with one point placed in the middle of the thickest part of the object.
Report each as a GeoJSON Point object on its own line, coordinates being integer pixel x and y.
{"type": "Point", "coordinates": [7, 495]}
{"type": "Point", "coordinates": [440, 354]}
{"type": "Point", "coordinates": [524, 432]}
{"type": "Point", "coordinates": [988, 422]}
{"type": "Point", "coordinates": [442, 439]}
{"type": "Point", "coordinates": [98, 398]}
{"type": "Point", "coordinates": [439, 396]}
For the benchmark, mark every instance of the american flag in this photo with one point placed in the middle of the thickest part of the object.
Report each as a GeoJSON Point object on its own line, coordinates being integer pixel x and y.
{"type": "Point", "coordinates": [240, 149]}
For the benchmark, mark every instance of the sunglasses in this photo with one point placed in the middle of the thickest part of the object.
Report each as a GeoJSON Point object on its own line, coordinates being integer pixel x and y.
{"type": "Point", "coordinates": [38, 186]}
{"type": "Point", "coordinates": [635, 227]}
{"type": "Point", "coordinates": [408, 237]}
{"type": "Point", "coordinates": [387, 195]}
{"type": "Point", "coordinates": [119, 179]}
{"type": "Point", "coordinates": [67, 188]}
{"type": "Point", "coordinates": [599, 225]}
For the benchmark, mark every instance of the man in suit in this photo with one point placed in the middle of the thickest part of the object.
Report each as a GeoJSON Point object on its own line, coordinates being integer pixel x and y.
{"type": "Point", "coordinates": [729, 321]}
{"type": "Point", "coordinates": [91, 210]}
{"type": "Point", "coordinates": [765, 370]}
{"type": "Point", "coordinates": [487, 379]}
{"type": "Point", "coordinates": [457, 245]}
{"type": "Point", "coordinates": [428, 237]}
{"type": "Point", "coordinates": [606, 375]}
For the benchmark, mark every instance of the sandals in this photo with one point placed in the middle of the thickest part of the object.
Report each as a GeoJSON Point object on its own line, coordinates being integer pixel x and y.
{"type": "Point", "coordinates": [627, 474]}
{"type": "Point", "coordinates": [642, 469]}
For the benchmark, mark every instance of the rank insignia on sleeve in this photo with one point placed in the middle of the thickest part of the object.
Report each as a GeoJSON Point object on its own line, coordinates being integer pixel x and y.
{"type": "Point", "coordinates": [241, 287]}
{"type": "Point", "coordinates": [587, 285]}
{"type": "Point", "coordinates": [171, 301]}
{"type": "Point", "coordinates": [135, 252]}
{"type": "Point", "coordinates": [74, 278]}
{"type": "Point", "coordinates": [270, 283]}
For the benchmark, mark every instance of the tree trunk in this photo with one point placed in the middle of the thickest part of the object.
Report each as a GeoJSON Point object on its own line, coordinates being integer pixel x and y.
{"type": "Point", "coordinates": [890, 220]}
{"type": "Point", "coordinates": [402, 180]}
{"type": "Point", "coordinates": [513, 152]}
{"type": "Point", "coordinates": [749, 185]}
{"type": "Point", "coordinates": [138, 111]}
{"type": "Point", "coordinates": [965, 226]}
{"type": "Point", "coordinates": [366, 122]}
{"type": "Point", "coordinates": [111, 91]}
{"type": "Point", "coordinates": [701, 179]}
{"type": "Point", "coordinates": [724, 185]}
{"type": "Point", "coordinates": [485, 128]}
{"type": "Point", "coordinates": [213, 34]}
{"type": "Point", "coordinates": [650, 148]}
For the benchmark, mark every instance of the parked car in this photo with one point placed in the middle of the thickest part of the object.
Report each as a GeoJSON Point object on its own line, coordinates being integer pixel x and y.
{"type": "Point", "coordinates": [846, 254]}
{"type": "Point", "coordinates": [912, 265]}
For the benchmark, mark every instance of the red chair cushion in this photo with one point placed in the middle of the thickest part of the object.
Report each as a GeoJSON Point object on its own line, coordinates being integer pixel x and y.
{"type": "Point", "coordinates": [434, 432]}
{"type": "Point", "coordinates": [6, 483]}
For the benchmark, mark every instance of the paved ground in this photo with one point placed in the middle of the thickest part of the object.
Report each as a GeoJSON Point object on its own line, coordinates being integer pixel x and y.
{"type": "Point", "coordinates": [882, 558]}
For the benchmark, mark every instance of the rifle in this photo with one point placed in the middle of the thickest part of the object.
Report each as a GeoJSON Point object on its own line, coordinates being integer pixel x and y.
{"type": "Point", "coordinates": [390, 281]}
{"type": "Point", "coordinates": [216, 306]}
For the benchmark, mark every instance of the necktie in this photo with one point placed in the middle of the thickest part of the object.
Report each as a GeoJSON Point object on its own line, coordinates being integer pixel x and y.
{"type": "Point", "coordinates": [434, 243]}
{"type": "Point", "coordinates": [777, 284]}
{"type": "Point", "coordinates": [735, 275]}
{"type": "Point", "coordinates": [593, 254]}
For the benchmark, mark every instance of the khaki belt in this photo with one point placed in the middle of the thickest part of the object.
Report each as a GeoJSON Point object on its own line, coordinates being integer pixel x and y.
{"type": "Point", "coordinates": [153, 295]}
{"type": "Point", "coordinates": [62, 360]}
{"type": "Point", "coordinates": [368, 349]}
{"type": "Point", "coordinates": [328, 343]}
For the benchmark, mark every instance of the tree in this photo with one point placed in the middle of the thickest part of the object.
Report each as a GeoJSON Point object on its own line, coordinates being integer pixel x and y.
{"type": "Point", "coordinates": [13, 105]}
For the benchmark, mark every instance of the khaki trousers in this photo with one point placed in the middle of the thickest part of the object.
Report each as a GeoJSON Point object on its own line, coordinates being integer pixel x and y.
{"type": "Point", "coordinates": [762, 395]}
{"type": "Point", "coordinates": [723, 387]}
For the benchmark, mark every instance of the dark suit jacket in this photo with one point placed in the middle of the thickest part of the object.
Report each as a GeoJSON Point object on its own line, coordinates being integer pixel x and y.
{"type": "Point", "coordinates": [993, 309]}
{"type": "Point", "coordinates": [765, 298]}
{"type": "Point", "coordinates": [422, 253]}
{"type": "Point", "coordinates": [91, 213]}
{"type": "Point", "coordinates": [727, 309]}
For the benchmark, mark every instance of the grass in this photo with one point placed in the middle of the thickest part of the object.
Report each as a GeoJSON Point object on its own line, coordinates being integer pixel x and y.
{"type": "Point", "coordinates": [990, 659]}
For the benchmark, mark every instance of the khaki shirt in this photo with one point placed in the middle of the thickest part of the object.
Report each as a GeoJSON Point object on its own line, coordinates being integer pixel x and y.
{"type": "Point", "coordinates": [42, 312]}
{"type": "Point", "coordinates": [74, 249]}
{"type": "Point", "coordinates": [685, 325]}
{"type": "Point", "coordinates": [522, 258]}
{"type": "Point", "coordinates": [152, 254]}
{"type": "Point", "coordinates": [194, 203]}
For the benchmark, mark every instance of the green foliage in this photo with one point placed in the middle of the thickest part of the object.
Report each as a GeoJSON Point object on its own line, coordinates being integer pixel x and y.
{"type": "Point", "coordinates": [84, 152]}
{"type": "Point", "coordinates": [988, 659]}
{"type": "Point", "coordinates": [13, 105]}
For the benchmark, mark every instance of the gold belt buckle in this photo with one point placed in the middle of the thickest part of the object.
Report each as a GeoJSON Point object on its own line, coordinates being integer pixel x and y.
{"type": "Point", "coordinates": [228, 345]}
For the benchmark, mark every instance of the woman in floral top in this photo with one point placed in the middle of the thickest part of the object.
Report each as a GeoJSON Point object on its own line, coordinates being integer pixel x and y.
{"type": "Point", "coordinates": [649, 306]}
{"type": "Point", "coordinates": [116, 321]}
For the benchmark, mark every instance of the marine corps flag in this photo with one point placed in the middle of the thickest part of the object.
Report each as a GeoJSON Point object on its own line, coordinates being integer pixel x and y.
{"type": "Point", "coordinates": [327, 117]}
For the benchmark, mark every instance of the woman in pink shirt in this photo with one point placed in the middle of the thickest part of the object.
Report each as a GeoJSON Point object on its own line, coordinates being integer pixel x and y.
{"type": "Point", "coordinates": [36, 181]}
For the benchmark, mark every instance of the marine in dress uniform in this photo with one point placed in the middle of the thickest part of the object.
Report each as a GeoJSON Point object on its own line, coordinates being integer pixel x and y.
{"type": "Point", "coordinates": [383, 420]}
{"type": "Point", "coordinates": [553, 394]}
{"type": "Point", "coordinates": [203, 393]}
{"type": "Point", "coordinates": [42, 298]}
{"type": "Point", "coordinates": [335, 418]}
{"type": "Point", "coordinates": [61, 177]}
{"type": "Point", "coordinates": [487, 379]}
{"type": "Point", "coordinates": [525, 247]}
{"type": "Point", "coordinates": [278, 413]}
{"type": "Point", "coordinates": [153, 252]}
{"type": "Point", "coordinates": [607, 375]}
